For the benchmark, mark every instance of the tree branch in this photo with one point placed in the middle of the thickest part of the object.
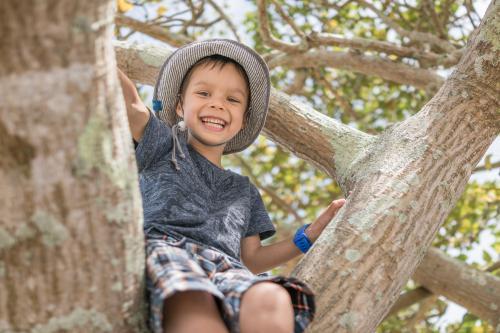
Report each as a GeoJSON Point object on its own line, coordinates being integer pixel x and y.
{"type": "Point", "coordinates": [493, 267]}
{"type": "Point", "coordinates": [325, 39]}
{"type": "Point", "coordinates": [269, 39]}
{"type": "Point", "coordinates": [487, 168]}
{"type": "Point", "coordinates": [152, 30]}
{"type": "Point", "coordinates": [408, 299]}
{"type": "Point", "coordinates": [467, 282]}
{"type": "Point", "coordinates": [368, 65]}
{"type": "Point", "coordinates": [288, 19]}
{"type": "Point", "coordinates": [428, 5]}
{"type": "Point", "coordinates": [424, 306]}
{"type": "Point", "coordinates": [474, 290]}
{"type": "Point", "coordinates": [141, 62]}
{"type": "Point", "coordinates": [226, 19]}
{"type": "Point", "coordinates": [196, 13]}
{"type": "Point", "coordinates": [421, 37]}
{"type": "Point", "coordinates": [298, 82]}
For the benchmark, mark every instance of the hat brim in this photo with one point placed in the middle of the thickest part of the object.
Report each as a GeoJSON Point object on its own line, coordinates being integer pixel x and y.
{"type": "Point", "coordinates": [181, 60]}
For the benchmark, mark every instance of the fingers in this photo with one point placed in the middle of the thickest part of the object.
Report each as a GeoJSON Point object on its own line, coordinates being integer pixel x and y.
{"type": "Point", "coordinates": [327, 215]}
{"type": "Point", "coordinates": [339, 202]}
{"type": "Point", "coordinates": [336, 204]}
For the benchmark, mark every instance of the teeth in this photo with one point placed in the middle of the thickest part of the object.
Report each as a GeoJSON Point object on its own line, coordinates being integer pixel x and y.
{"type": "Point", "coordinates": [213, 121]}
{"type": "Point", "coordinates": [215, 125]}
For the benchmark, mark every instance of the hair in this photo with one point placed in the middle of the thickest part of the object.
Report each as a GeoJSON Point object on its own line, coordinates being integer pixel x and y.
{"type": "Point", "coordinates": [215, 60]}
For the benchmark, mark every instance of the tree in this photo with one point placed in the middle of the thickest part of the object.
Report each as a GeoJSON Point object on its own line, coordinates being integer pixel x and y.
{"type": "Point", "coordinates": [370, 249]}
{"type": "Point", "coordinates": [71, 240]}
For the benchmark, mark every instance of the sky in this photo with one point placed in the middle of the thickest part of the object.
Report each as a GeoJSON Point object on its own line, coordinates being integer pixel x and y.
{"type": "Point", "coordinates": [237, 10]}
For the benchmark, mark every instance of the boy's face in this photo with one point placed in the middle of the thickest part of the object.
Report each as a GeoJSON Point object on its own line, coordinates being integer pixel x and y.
{"type": "Point", "coordinates": [214, 92]}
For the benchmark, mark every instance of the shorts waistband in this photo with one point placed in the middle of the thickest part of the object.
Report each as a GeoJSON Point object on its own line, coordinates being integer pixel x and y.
{"type": "Point", "coordinates": [157, 233]}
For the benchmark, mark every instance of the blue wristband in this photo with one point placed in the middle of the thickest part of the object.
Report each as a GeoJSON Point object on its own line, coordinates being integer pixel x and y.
{"type": "Point", "coordinates": [300, 239]}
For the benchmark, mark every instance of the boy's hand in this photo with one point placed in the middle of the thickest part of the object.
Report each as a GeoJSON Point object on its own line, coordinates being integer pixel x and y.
{"type": "Point", "coordinates": [316, 228]}
{"type": "Point", "coordinates": [137, 113]}
{"type": "Point", "coordinates": [130, 93]}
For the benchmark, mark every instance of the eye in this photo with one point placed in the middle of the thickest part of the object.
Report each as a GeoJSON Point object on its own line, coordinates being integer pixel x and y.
{"type": "Point", "coordinates": [202, 93]}
{"type": "Point", "coordinates": [232, 100]}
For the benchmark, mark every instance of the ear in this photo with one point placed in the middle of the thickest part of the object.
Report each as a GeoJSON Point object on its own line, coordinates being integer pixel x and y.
{"type": "Point", "coordinates": [178, 109]}
{"type": "Point", "coordinates": [246, 115]}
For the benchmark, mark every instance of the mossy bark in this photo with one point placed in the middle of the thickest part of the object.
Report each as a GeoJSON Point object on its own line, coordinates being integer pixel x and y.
{"type": "Point", "coordinates": [71, 239]}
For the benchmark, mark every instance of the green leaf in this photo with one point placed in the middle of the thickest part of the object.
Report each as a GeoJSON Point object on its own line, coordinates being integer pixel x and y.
{"type": "Point", "coordinates": [487, 257]}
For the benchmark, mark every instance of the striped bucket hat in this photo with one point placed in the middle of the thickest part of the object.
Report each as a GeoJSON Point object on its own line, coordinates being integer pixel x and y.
{"type": "Point", "coordinates": [180, 61]}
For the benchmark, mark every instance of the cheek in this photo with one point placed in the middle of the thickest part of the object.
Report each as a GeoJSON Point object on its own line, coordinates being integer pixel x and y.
{"type": "Point", "coordinates": [241, 117]}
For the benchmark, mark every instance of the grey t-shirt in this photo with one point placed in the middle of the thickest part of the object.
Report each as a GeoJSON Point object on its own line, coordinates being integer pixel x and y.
{"type": "Point", "coordinates": [201, 201]}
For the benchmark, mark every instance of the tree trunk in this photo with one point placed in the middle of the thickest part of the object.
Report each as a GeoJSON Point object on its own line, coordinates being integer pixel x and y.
{"type": "Point", "coordinates": [71, 240]}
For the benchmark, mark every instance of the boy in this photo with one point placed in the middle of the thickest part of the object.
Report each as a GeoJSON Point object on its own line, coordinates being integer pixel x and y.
{"type": "Point", "coordinates": [203, 223]}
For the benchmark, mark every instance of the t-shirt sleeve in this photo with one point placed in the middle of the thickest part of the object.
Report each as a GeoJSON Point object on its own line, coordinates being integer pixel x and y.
{"type": "Point", "coordinates": [156, 140]}
{"type": "Point", "coordinates": [260, 222]}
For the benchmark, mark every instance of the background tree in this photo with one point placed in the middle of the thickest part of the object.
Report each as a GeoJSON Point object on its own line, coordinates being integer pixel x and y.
{"type": "Point", "coordinates": [371, 66]}
{"type": "Point", "coordinates": [71, 239]}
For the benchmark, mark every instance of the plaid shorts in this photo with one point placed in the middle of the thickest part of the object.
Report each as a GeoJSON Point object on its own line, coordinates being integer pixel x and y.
{"type": "Point", "coordinates": [176, 263]}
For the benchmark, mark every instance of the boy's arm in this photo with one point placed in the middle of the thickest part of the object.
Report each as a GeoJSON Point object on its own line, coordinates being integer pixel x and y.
{"type": "Point", "coordinates": [260, 259]}
{"type": "Point", "coordinates": [137, 113]}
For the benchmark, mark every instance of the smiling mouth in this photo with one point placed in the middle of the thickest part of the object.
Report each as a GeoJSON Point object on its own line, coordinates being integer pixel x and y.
{"type": "Point", "coordinates": [213, 126]}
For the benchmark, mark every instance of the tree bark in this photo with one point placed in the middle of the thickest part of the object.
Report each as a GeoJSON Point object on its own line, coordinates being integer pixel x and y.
{"type": "Point", "coordinates": [478, 292]}
{"type": "Point", "coordinates": [403, 187]}
{"type": "Point", "coordinates": [432, 152]}
{"type": "Point", "coordinates": [359, 63]}
{"type": "Point", "coordinates": [152, 30]}
{"type": "Point", "coordinates": [71, 239]}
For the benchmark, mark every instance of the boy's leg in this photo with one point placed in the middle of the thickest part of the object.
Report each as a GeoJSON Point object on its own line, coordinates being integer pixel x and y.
{"type": "Point", "coordinates": [192, 311]}
{"type": "Point", "coordinates": [266, 307]}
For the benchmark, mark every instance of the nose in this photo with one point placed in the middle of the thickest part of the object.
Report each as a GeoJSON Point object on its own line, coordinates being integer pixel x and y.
{"type": "Point", "coordinates": [216, 106]}
{"type": "Point", "coordinates": [216, 103]}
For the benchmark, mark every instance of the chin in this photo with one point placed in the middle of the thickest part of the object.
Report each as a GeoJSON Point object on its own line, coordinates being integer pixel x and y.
{"type": "Point", "coordinates": [209, 142]}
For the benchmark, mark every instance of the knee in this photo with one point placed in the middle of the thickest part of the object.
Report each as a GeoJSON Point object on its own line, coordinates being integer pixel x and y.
{"type": "Point", "coordinates": [190, 300]}
{"type": "Point", "coordinates": [266, 307]}
{"type": "Point", "coordinates": [192, 311]}
{"type": "Point", "coordinates": [266, 298]}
